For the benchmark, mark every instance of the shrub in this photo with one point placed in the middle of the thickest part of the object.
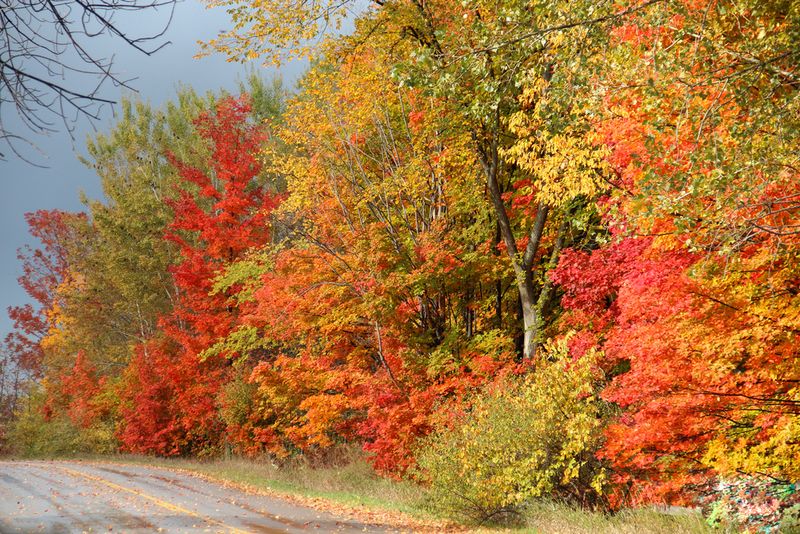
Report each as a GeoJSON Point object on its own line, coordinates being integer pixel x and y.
{"type": "Point", "coordinates": [522, 438]}
{"type": "Point", "coordinates": [34, 434]}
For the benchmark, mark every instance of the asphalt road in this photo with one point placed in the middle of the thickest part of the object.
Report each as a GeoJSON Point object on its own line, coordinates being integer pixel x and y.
{"type": "Point", "coordinates": [56, 497]}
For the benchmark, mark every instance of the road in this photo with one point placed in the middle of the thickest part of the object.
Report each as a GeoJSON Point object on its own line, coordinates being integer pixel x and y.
{"type": "Point", "coordinates": [56, 497]}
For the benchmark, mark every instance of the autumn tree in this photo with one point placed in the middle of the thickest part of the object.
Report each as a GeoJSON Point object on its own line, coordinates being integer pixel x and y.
{"type": "Point", "coordinates": [694, 300]}
{"type": "Point", "coordinates": [44, 270]}
{"type": "Point", "coordinates": [478, 59]}
{"type": "Point", "coordinates": [126, 279]}
{"type": "Point", "coordinates": [452, 185]}
{"type": "Point", "coordinates": [103, 280]}
{"type": "Point", "coordinates": [221, 211]}
{"type": "Point", "coordinates": [380, 301]}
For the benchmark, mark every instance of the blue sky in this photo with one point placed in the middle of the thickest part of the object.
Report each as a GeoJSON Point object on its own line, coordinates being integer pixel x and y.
{"type": "Point", "coordinates": [26, 188]}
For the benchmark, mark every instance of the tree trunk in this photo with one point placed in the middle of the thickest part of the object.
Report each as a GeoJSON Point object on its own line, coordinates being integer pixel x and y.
{"type": "Point", "coordinates": [529, 313]}
{"type": "Point", "coordinates": [522, 263]}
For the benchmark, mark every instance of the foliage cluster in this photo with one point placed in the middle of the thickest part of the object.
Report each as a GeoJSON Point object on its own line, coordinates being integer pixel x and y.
{"type": "Point", "coordinates": [37, 432]}
{"type": "Point", "coordinates": [524, 438]}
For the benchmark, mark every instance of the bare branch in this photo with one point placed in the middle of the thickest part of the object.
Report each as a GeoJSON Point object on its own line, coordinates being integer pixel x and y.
{"type": "Point", "coordinates": [49, 72]}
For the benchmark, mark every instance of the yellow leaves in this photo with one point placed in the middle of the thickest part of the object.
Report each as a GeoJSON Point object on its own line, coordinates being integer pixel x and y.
{"type": "Point", "coordinates": [750, 327]}
{"type": "Point", "coordinates": [60, 343]}
{"type": "Point", "coordinates": [276, 30]}
{"type": "Point", "coordinates": [370, 158]}
{"type": "Point", "coordinates": [776, 454]}
{"type": "Point", "coordinates": [563, 161]}
{"type": "Point", "coordinates": [522, 439]}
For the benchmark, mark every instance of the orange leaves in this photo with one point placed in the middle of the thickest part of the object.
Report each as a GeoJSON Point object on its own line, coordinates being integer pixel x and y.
{"type": "Point", "coordinates": [696, 325]}
{"type": "Point", "coordinates": [80, 387]}
{"type": "Point", "coordinates": [415, 119]}
{"type": "Point", "coordinates": [697, 353]}
{"type": "Point", "coordinates": [365, 305]}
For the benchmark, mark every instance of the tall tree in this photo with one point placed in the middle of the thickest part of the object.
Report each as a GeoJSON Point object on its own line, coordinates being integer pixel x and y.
{"type": "Point", "coordinates": [698, 315]}
{"type": "Point", "coordinates": [44, 270]}
{"type": "Point", "coordinates": [387, 258]}
{"type": "Point", "coordinates": [477, 58]}
{"type": "Point", "coordinates": [223, 211]}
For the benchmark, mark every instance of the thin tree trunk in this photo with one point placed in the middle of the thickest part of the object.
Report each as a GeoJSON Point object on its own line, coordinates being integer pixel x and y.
{"type": "Point", "coordinates": [546, 295]}
{"type": "Point", "coordinates": [522, 264]}
{"type": "Point", "coordinates": [498, 284]}
{"type": "Point", "coordinates": [529, 314]}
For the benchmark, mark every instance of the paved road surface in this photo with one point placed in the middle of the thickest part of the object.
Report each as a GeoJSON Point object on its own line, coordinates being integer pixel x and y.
{"type": "Point", "coordinates": [56, 497]}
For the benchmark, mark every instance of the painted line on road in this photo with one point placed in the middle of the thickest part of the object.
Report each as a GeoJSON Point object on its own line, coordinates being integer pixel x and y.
{"type": "Point", "coordinates": [164, 504]}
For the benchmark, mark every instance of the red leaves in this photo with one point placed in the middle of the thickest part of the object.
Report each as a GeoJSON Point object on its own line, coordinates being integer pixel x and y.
{"type": "Point", "coordinates": [416, 119]}
{"type": "Point", "coordinates": [80, 386]}
{"type": "Point", "coordinates": [671, 336]}
{"type": "Point", "coordinates": [632, 293]}
{"type": "Point", "coordinates": [592, 280]}
{"type": "Point", "coordinates": [169, 403]}
{"type": "Point", "coordinates": [172, 392]}
{"type": "Point", "coordinates": [43, 270]}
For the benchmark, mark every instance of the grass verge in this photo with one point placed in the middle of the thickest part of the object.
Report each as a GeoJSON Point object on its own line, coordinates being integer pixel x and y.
{"type": "Point", "coordinates": [544, 518]}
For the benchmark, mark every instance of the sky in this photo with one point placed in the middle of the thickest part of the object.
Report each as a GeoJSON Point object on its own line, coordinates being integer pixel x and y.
{"type": "Point", "coordinates": [28, 188]}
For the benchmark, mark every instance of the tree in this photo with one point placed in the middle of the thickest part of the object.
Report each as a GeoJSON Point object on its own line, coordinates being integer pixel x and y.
{"type": "Point", "coordinates": [221, 211]}
{"type": "Point", "coordinates": [104, 282]}
{"type": "Point", "coordinates": [715, 86]}
{"type": "Point", "coordinates": [478, 59]}
{"type": "Point", "coordinates": [50, 69]}
{"type": "Point", "coordinates": [131, 261]}
{"type": "Point", "coordinates": [521, 438]}
{"type": "Point", "coordinates": [381, 300]}
{"type": "Point", "coordinates": [44, 270]}
{"type": "Point", "coordinates": [693, 299]}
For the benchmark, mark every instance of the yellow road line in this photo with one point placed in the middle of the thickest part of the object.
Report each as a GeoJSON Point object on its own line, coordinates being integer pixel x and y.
{"type": "Point", "coordinates": [163, 504]}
